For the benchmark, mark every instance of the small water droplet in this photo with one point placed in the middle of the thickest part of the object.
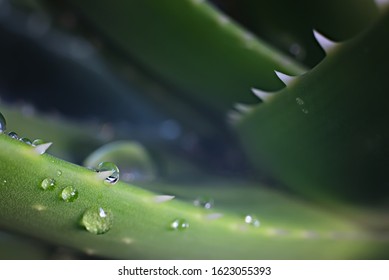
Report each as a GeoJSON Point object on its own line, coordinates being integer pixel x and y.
{"type": "Point", "coordinates": [179, 224]}
{"type": "Point", "coordinates": [59, 173]}
{"type": "Point", "coordinates": [299, 101]}
{"type": "Point", "coordinates": [305, 111]}
{"type": "Point", "coordinates": [204, 202]}
{"type": "Point", "coordinates": [252, 220]}
{"type": "Point", "coordinates": [26, 140]}
{"type": "Point", "coordinates": [38, 142]}
{"type": "Point", "coordinates": [3, 124]}
{"type": "Point", "coordinates": [48, 184]}
{"type": "Point", "coordinates": [69, 194]}
{"type": "Point", "coordinates": [97, 220]}
{"type": "Point", "coordinates": [13, 135]}
{"type": "Point", "coordinates": [110, 167]}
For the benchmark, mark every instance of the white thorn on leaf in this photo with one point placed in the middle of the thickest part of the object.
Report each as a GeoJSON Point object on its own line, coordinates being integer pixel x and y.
{"type": "Point", "coordinates": [243, 108]}
{"type": "Point", "coordinates": [263, 95]}
{"type": "Point", "coordinates": [286, 79]}
{"type": "Point", "coordinates": [104, 174]}
{"type": "Point", "coordinates": [42, 148]}
{"type": "Point", "coordinates": [163, 198]}
{"type": "Point", "coordinates": [324, 42]}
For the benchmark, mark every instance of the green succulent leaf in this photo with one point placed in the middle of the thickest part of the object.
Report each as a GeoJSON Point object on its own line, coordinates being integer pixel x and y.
{"type": "Point", "coordinates": [140, 223]}
{"type": "Point", "coordinates": [325, 135]}
{"type": "Point", "coordinates": [191, 46]}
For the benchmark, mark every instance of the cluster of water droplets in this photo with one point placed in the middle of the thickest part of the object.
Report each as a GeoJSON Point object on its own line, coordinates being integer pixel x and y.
{"type": "Point", "coordinates": [39, 145]}
{"type": "Point", "coordinates": [96, 220]}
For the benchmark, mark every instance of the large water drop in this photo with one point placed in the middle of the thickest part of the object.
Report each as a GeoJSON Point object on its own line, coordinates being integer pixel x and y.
{"type": "Point", "coordinates": [133, 160]}
{"type": "Point", "coordinates": [97, 220]}
{"type": "Point", "coordinates": [109, 167]}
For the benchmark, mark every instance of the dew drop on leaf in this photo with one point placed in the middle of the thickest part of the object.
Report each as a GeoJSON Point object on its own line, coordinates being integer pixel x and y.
{"type": "Point", "coordinates": [13, 135]}
{"type": "Point", "coordinates": [3, 124]}
{"type": "Point", "coordinates": [179, 224]}
{"type": "Point", "coordinates": [59, 173]}
{"type": "Point", "coordinates": [97, 220]}
{"type": "Point", "coordinates": [204, 202]}
{"type": "Point", "coordinates": [38, 142]}
{"type": "Point", "coordinates": [252, 220]}
{"type": "Point", "coordinates": [48, 184]}
{"type": "Point", "coordinates": [133, 160]}
{"type": "Point", "coordinates": [109, 166]}
{"type": "Point", "coordinates": [26, 140]}
{"type": "Point", "coordinates": [69, 194]}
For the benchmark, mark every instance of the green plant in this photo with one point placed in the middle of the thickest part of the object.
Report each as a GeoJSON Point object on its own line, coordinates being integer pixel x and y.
{"type": "Point", "coordinates": [194, 64]}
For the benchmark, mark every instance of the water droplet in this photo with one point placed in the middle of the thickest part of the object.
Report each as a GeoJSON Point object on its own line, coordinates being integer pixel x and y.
{"type": "Point", "coordinates": [133, 160]}
{"type": "Point", "coordinates": [3, 124]}
{"type": "Point", "coordinates": [96, 220]}
{"type": "Point", "coordinates": [204, 202]}
{"type": "Point", "coordinates": [38, 142]}
{"type": "Point", "coordinates": [59, 173]}
{"type": "Point", "coordinates": [109, 167]}
{"type": "Point", "coordinates": [26, 140]}
{"type": "Point", "coordinates": [69, 194]}
{"type": "Point", "coordinates": [48, 184]}
{"type": "Point", "coordinates": [299, 101]}
{"type": "Point", "coordinates": [252, 220]}
{"type": "Point", "coordinates": [13, 135]}
{"type": "Point", "coordinates": [179, 224]}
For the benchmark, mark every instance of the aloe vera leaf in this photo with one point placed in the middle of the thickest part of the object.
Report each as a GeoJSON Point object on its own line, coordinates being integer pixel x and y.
{"type": "Point", "coordinates": [141, 226]}
{"type": "Point", "coordinates": [191, 46]}
{"type": "Point", "coordinates": [290, 28]}
{"type": "Point", "coordinates": [326, 135]}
